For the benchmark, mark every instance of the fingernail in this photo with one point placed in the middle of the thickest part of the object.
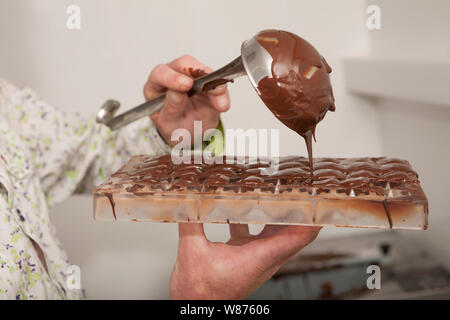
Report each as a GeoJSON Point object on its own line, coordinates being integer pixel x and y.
{"type": "Point", "coordinates": [184, 81]}
{"type": "Point", "coordinates": [175, 98]}
{"type": "Point", "coordinates": [222, 101]}
{"type": "Point", "coordinates": [219, 89]}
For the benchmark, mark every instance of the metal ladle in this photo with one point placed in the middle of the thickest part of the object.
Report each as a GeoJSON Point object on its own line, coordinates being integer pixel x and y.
{"type": "Point", "coordinates": [254, 61]}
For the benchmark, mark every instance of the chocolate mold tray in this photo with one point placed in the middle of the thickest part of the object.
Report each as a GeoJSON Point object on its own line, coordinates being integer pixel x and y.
{"type": "Point", "coordinates": [345, 192]}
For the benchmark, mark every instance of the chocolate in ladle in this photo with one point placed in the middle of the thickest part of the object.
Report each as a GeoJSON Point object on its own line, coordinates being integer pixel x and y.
{"type": "Point", "coordinates": [299, 93]}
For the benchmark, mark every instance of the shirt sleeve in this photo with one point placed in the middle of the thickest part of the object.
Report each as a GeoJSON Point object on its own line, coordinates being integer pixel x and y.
{"type": "Point", "coordinates": [7, 275]}
{"type": "Point", "coordinates": [71, 154]}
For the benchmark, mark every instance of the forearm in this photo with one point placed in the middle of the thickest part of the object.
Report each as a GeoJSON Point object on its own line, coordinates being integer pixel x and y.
{"type": "Point", "coordinates": [67, 152]}
{"type": "Point", "coordinates": [109, 150]}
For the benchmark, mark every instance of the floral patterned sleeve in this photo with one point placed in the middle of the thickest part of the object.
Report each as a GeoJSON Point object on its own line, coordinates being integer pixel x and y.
{"type": "Point", "coordinates": [45, 155]}
{"type": "Point", "coordinates": [69, 153]}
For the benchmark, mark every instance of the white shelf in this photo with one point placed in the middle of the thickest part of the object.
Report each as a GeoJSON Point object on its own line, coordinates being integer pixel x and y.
{"type": "Point", "coordinates": [419, 81]}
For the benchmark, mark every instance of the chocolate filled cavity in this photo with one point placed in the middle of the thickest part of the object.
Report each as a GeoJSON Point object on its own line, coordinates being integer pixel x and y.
{"type": "Point", "coordinates": [364, 192]}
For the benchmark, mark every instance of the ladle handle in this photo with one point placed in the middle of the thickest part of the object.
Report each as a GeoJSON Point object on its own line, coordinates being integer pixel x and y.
{"type": "Point", "coordinates": [227, 73]}
{"type": "Point", "coordinates": [223, 75]}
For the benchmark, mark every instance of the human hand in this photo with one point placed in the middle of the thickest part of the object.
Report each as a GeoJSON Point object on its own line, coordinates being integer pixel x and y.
{"type": "Point", "coordinates": [232, 270]}
{"type": "Point", "coordinates": [179, 110]}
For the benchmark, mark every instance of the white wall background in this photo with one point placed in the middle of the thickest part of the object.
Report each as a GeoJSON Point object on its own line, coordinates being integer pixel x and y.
{"type": "Point", "coordinates": [418, 31]}
{"type": "Point", "coordinates": [112, 55]}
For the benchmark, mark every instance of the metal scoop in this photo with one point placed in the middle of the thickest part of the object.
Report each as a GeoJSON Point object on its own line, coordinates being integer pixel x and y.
{"type": "Point", "coordinates": [255, 62]}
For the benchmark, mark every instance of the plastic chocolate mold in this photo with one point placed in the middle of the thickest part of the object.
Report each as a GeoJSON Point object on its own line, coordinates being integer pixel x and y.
{"type": "Point", "coordinates": [353, 192]}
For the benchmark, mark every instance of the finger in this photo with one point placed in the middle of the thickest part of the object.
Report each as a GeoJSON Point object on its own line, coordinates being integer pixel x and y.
{"type": "Point", "coordinates": [219, 96]}
{"type": "Point", "coordinates": [186, 62]}
{"type": "Point", "coordinates": [299, 233]}
{"type": "Point", "coordinates": [220, 99]}
{"type": "Point", "coordinates": [277, 243]}
{"type": "Point", "coordinates": [191, 235]}
{"type": "Point", "coordinates": [239, 230]}
{"type": "Point", "coordinates": [219, 90]}
{"type": "Point", "coordinates": [270, 230]}
{"type": "Point", "coordinates": [174, 106]}
{"type": "Point", "coordinates": [163, 76]}
{"type": "Point", "coordinates": [221, 102]}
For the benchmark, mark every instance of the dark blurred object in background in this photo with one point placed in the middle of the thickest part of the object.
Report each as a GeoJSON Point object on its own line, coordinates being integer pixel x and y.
{"type": "Point", "coordinates": [338, 269]}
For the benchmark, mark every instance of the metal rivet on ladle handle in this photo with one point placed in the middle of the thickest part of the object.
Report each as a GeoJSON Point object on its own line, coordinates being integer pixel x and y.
{"type": "Point", "coordinates": [254, 61]}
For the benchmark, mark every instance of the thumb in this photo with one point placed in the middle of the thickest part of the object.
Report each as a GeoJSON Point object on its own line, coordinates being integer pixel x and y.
{"type": "Point", "coordinates": [276, 244]}
{"type": "Point", "coordinates": [191, 235]}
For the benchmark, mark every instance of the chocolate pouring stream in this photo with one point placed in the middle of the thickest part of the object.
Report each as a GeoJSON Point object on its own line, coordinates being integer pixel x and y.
{"type": "Point", "coordinates": [299, 93]}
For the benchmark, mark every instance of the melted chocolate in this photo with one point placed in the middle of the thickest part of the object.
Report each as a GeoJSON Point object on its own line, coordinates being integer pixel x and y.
{"type": "Point", "coordinates": [299, 93]}
{"type": "Point", "coordinates": [352, 177]}
{"type": "Point", "coordinates": [197, 73]}
{"type": "Point", "coordinates": [215, 83]}
{"type": "Point", "coordinates": [111, 201]}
